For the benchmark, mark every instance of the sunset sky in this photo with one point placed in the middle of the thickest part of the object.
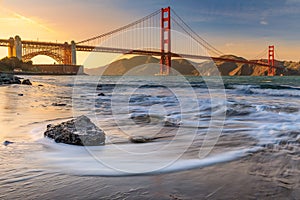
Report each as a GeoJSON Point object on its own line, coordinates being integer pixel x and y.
{"type": "Point", "coordinates": [239, 27]}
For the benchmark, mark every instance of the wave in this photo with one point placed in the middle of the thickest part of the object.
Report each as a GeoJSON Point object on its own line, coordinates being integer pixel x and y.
{"type": "Point", "coordinates": [277, 93]}
{"type": "Point", "coordinates": [278, 87]}
{"type": "Point", "coordinates": [266, 89]}
{"type": "Point", "coordinates": [106, 160]}
{"type": "Point", "coordinates": [277, 109]}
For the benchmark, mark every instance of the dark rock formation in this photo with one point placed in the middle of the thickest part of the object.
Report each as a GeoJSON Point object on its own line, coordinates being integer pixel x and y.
{"type": "Point", "coordinates": [9, 79]}
{"type": "Point", "coordinates": [101, 94]}
{"type": "Point", "coordinates": [59, 104]}
{"type": "Point", "coordinates": [79, 131]}
{"type": "Point", "coordinates": [6, 143]}
{"type": "Point", "coordinates": [26, 82]}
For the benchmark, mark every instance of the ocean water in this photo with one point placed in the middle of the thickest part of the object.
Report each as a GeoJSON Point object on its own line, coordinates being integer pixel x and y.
{"type": "Point", "coordinates": [197, 122]}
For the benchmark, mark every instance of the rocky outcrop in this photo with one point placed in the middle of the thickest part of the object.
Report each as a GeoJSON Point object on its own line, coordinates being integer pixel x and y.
{"type": "Point", "coordinates": [11, 79]}
{"type": "Point", "coordinates": [79, 131]}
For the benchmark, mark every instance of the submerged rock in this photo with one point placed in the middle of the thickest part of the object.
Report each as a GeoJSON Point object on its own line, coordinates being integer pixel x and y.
{"type": "Point", "coordinates": [146, 139]}
{"type": "Point", "coordinates": [171, 122]}
{"type": "Point", "coordinates": [79, 131]}
{"type": "Point", "coordinates": [59, 104]}
{"type": "Point", "coordinates": [141, 139]}
{"type": "Point", "coordinates": [141, 118]}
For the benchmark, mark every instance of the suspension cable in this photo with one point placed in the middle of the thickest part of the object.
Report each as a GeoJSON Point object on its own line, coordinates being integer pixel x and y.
{"type": "Point", "coordinates": [190, 29]}
{"type": "Point", "coordinates": [121, 28]}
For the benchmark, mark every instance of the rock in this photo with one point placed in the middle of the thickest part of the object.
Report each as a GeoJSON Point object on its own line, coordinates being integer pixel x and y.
{"type": "Point", "coordinates": [99, 87]}
{"type": "Point", "coordinates": [26, 82]}
{"type": "Point", "coordinates": [171, 122]}
{"type": "Point", "coordinates": [101, 94]}
{"type": "Point", "coordinates": [59, 104]}
{"type": "Point", "coordinates": [140, 118]}
{"type": "Point", "coordinates": [6, 143]}
{"type": "Point", "coordinates": [79, 131]}
{"type": "Point", "coordinates": [140, 139]}
{"type": "Point", "coordinates": [9, 79]}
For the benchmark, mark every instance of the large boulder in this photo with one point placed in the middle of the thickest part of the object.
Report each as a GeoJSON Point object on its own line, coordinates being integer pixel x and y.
{"type": "Point", "coordinates": [79, 131]}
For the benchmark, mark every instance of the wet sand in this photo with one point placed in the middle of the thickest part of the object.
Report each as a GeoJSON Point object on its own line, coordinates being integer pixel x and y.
{"type": "Point", "coordinates": [272, 173]}
{"type": "Point", "coordinates": [260, 176]}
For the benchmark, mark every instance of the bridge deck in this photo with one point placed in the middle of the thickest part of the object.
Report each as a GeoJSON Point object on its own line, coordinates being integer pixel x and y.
{"type": "Point", "coordinates": [158, 53]}
{"type": "Point", "coordinates": [87, 48]}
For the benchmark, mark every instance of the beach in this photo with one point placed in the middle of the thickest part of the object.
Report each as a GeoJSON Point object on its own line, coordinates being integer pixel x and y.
{"type": "Point", "coordinates": [253, 155]}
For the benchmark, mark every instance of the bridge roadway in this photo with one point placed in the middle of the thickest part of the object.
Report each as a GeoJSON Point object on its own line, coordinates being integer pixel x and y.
{"type": "Point", "coordinates": [86, 48]}
{"type": "Point", "coordinates": [173, 55]}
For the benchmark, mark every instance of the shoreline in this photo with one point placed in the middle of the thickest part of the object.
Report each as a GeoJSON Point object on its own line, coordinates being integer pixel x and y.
{"type": "Point", "coordinates": [44, 74]}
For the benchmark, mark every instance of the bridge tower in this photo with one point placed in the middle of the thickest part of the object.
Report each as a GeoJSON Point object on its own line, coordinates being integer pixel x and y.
{"type": "Point", "coordinates": [11, 45]}
{"type": "Point", "coordinates": [18, 47]}
{"type": "Point", "coordinates": [15, 47]}
{"type": "Point", "coordinates": [271, 60]}
{"type": "Point", "coordinates": [67, 54]}
{"type": "Point", "coordinates": [73, 52]}
{"type": "Point", "coordinates": [165, 59]}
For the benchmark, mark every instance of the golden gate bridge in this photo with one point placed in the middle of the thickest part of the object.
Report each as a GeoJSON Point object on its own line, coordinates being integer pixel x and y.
{"type": "Point", "coordinates": [151, 35]}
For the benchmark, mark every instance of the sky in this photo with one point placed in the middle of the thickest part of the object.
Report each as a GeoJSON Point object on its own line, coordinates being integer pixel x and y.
{"type": "Point", "coordinates": [239, 27]}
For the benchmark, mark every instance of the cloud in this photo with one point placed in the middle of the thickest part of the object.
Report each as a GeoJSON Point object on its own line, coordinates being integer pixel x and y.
{"type": "Point", "coordinates": [13, 16]}
{"type": "Point", "coordinates": [26, 19]}
{"type": "Point", "coordinates": [292, 2]}
{"type": "Point", "coordinates": [263, 22]}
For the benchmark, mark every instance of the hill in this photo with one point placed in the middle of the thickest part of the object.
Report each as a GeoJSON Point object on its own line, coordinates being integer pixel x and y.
{"type": "Point", "coordinates": [148, 65]}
